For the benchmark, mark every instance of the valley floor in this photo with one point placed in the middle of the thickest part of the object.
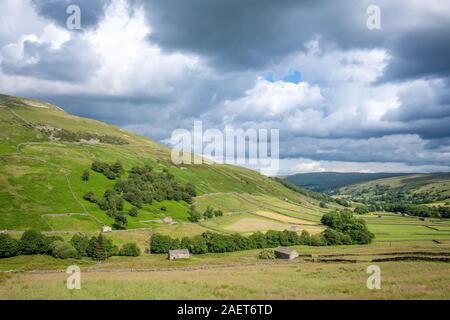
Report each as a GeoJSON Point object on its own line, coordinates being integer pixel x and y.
{"type": "Point", "coordinates": [337, 273]}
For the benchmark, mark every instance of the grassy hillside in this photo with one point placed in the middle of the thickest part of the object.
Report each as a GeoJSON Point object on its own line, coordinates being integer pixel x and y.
{"type": "Point", "coordinates": [425, 188]}
{"type": "Point", "coordinates": [44, 151]}
{"type": "Point", "coordinates": [338, 273]}
{"type": "Point", "coordinates": [329, 181]}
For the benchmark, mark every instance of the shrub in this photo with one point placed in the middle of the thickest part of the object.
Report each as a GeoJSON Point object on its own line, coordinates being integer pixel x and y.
{"type": "Point", "coordinates": [33, 242]}
{"type": "Point", "coordinates": [9, 247]}
{"type": "Point", "coordinates": [85, 175]}
{"type": "Point", "coordinates": [218, 213]}
{"type": "Point", "coordinates": [361, 210]}
{"type": "Point", "coordinates": [317, 240]}
{"type": "Point", "coordinates": [62, 250]}
{"type": "Point", "coordinates": [323, 204]}
{"type": "Point", "coordinates": [267, 254]}
{"type": "Point", "coordinates": [196, 244]}
{"type": "Point", "coordinates": [334, 237]}
{"type": "Point", "coordinates": [162, 244]}
{"type": "Point", "coordinates": [259, 240]}
{"type": "Point", "coordinates": [130, 250]}
{"type": "Point", "coordinates": [305, 238]}
{"type": "Point", "coordinates": [81, 244]}
{"type": "Point", "coordinates": [194, 215]}
{"type": "Point", "coordinates": [209, 213]}
{"type": "Point", "coordinates": [163, 208]}
{"type": "Point", "coordinates": [90, 196]}
{"type": "Point", "coordinates": [120, 221]}
{"type": "Point", "coordinates": [133, 212]}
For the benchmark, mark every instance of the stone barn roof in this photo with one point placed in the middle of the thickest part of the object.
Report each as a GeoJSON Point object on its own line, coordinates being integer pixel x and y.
{"type": "Point", "coordinates": [178, 251]}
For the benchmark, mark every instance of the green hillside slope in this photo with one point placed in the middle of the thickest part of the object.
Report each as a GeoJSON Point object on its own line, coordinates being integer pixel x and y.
{"type": "Point", "coordinates": [418, 188]}
{"type": "Point", "coordinates": [44, 152]}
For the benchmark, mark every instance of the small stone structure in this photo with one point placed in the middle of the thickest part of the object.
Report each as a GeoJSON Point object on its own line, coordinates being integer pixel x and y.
{"type": "Point", "coordinates": [106, 229]}
{"type": "Point", "coordinates": [285, 253]}
{"type": "Point", "coordinates": [178, 254]}
{"type": "Point", "coordinates": [168, 220]}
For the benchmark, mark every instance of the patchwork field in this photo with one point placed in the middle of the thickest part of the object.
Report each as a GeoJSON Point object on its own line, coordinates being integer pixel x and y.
{"type": "Point", "coordinates": [240, 275]}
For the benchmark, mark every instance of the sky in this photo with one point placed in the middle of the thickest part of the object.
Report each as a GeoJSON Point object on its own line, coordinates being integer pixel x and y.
{"type": "Point", "coordinates": [345, 97]}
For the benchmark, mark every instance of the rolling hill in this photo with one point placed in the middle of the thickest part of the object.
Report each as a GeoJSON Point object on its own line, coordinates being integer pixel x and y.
{"type": "Point", "coordinates": [44, 152]}
{"type": "Point", "coordinates": [431, 187]}
{"type": "Point", "coordinates": [330, 181]}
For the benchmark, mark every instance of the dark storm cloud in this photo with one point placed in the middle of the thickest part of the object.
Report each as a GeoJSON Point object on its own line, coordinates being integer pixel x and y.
{"type": "Point", "coordinates": [235, 34]}
{"type": "Point", "coordinates": [241, 40]}
{"type": "Point", "coordinates": [249, 34]}
{"type": "Point", "coordinates": [92, 11]}
{"type": "Point", "coordinates": [422, 52]}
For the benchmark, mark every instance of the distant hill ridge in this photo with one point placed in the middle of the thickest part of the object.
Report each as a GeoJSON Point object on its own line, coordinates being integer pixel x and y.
{"type": "Point", "coordinates": [329, 181]}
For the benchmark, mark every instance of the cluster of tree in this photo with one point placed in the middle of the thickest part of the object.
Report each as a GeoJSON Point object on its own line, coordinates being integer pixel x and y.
{"type": "Point", "coordinates": [323, 198]}
{"type": "Point", "coordinates": [71, 136]}
{"type": "Point", "coordinates": [113, 204]}
{"type": "Point", "coordinates": [362, 210]}
{"type": "Point", "coordinates": [345, 228]}
{"type": "Point", "coordinates": [418, 210]}
{"type": "Point", "coordinates": [144, 184]}
{"type": "Point", "coordinates": [100, 248]}
{"type": "Point", "coordinates": [34, 242]}
{"type": "Point", "coordinates": [210, 242]}
{"type": "Point", "coordinates": [111, 171]}
{"type": "Point", "coordinates": [379, 194]}
{"type": "Point", "coordinates": [209, 213]}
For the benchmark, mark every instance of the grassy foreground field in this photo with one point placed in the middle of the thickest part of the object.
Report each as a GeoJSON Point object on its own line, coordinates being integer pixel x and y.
{"type": "Point", "coordinates": [338, 273]}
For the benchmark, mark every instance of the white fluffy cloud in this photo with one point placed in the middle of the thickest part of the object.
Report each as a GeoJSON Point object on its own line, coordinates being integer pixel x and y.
{"type": "Point", "coordinates": [133, 68]}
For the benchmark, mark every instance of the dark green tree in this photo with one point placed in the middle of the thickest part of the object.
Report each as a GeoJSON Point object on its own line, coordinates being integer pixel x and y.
{"type": "Point", "coordinates": [130, 250]}
{"type": "Point", "coordinates": [133, 212]}
{"type": "Point", "coordinates": [85, 175]}
{"type": "Point", "coordinates": [33, 242]}
{"type": "Point", "coordinates": [9, 247]}
{"type": "Point", "coordinates": [99, 252]}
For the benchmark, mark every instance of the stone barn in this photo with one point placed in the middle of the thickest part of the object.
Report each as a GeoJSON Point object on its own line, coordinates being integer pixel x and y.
{"type": "Point", "coordinates": [179, 254]}
{"type": "Point", "coordinates": [106, 229]}
{"type": "Point", "coordinates": [285, 253]}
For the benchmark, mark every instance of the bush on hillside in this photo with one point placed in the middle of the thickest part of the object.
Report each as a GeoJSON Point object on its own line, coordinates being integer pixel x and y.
{"type": "Point", "coordinates": [133, 212]}
{"type": "Point", "coordinates": [81, 244]}
{"type": "Point", "coordinates": [9, 247]}
{"type": "Point", "coordinates": [33, 242]}
{"type": "Point", "coordinates": [62, 250]}
{"type": "Point", "coordinates": [195, 245]}
{"type": "Point", "coordinates": [162, 244]}
{"type": "Point", "coordinates": [130, 250]}
{"type": "Point", "coordinates": [344, 222]}
{"type": "Point", "coordinates": [267, 254]}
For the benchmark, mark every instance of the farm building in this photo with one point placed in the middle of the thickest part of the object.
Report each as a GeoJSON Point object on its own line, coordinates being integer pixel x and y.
{"type": "Point", "coordinates": [106, 229]}
{"type": "Point", "coordinates": [179, 254]}
{"type": "Point", "coordinates": [168, 220]}
{"type": "Point", "coordinates": [286, 253]}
